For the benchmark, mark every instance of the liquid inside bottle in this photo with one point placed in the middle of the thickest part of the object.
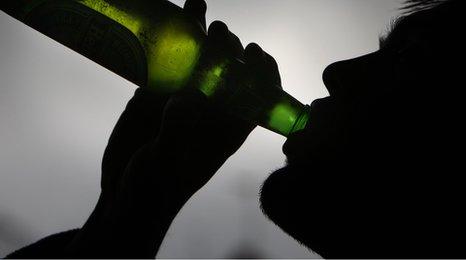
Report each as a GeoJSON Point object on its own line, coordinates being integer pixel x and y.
{"type": "Point", "coordinates": [154, 45]}
{"type": "Point", "coordinates": [267, 106]}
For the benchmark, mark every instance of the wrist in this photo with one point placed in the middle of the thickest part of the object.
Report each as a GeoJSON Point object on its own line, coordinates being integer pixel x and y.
{"type": "Point", "coordinates": [121, 230]}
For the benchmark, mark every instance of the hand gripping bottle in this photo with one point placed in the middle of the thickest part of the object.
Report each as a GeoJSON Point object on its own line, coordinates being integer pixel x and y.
{"type": "Point", "coordinates": [153, 44]}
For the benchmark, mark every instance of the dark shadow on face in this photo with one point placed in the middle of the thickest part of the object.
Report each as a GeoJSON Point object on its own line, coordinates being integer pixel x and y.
{"type": "Point", "coordinates": [377, 173]}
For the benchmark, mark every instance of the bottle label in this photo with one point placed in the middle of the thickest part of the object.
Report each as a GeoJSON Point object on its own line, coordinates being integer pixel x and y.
{"type": "Point", "coordinates": [92, 35]}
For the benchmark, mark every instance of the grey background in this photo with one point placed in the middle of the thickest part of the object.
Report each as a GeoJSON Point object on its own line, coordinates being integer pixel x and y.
{"type": "Point", "coordinates": [57, 110]}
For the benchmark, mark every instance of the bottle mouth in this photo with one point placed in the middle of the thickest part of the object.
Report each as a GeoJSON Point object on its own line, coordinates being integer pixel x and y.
{"type": "Point", "coordinates": [301, 121]}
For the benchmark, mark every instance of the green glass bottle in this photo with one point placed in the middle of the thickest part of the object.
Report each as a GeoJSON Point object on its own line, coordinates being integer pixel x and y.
{"type": "Point", "coordinates": [153, 44]}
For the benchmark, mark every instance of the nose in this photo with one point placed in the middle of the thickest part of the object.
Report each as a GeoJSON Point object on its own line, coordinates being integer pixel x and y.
{"type": "Point", "coordinates": [347, 75]}
{"type": "Point", "coordinates": [342, 75]}
{"type": "Point", "coordinates": [330, 77]}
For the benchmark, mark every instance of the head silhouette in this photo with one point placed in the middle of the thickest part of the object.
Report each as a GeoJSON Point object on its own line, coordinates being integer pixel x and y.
{"type": "Point", "coordinates": [377, 171]}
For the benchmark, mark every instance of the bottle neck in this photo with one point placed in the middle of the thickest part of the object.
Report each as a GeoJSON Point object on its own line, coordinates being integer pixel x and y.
{"type": "Point", "coordinates": [302, 120]}
{"type": "Point", "coordinates": [228, 83]}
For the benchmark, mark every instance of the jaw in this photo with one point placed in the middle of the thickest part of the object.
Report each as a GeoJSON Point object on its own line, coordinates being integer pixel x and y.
{"type": "Point", "coordinates": [283, 201]}
{"type": "Point", "coordinates": [292, 199]}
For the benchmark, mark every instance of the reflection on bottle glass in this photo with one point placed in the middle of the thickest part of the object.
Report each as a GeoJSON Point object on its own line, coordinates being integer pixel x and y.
{"type": "Point", "coordinates": [153, 44]}
{"type": "Point", "coordinates": [131, 22]}
{"type": "Point", "coordinates": [286, 119]}
{"type": "Point", "coordinates": [211, 78]}
{"type": "Point", "coordinates": [172, 60]}
{"type": "Point", "coordinates": [172, 45]}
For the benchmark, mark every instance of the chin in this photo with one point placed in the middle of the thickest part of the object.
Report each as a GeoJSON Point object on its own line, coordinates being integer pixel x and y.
{"type": "Point", "coordinates": [285, 200]}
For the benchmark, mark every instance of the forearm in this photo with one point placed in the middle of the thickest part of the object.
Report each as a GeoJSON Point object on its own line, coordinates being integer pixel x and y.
{"type": "Point", "coordinates": [125, 231]}
{"type": "Point", "coordinates": [156, 183]}
{"type": "Point", "coordinates": [134, 223]}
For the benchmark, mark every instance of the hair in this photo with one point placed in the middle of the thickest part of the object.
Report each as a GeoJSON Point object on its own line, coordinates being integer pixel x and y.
{"type": "Point", "coordinates": [414, 6]}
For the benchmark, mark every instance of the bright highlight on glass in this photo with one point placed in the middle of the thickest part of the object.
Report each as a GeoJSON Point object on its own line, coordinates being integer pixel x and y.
{"type": "Point", "coordinates": [286, 119]}
{"type": "Point", "coordinates": [172, 60]}
{"type": "Point", "coordinates": [118, 15]}
{"type": "Point", "coordinates": [153, 44]}
{"type": "Point", "coordinates": [172, 49]}
{"type": "Point", "coordinates": [211, 78]}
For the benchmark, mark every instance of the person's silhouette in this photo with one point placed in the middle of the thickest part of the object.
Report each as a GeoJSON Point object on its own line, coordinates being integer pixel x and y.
{"type": "Point", "coordinates": [377, 172]}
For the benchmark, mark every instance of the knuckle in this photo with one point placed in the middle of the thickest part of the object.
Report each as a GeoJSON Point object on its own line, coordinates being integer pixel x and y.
{"type": "Point", "coordinates": [254, 52]}
{"type": "Point", "coordinates": [218, 27]}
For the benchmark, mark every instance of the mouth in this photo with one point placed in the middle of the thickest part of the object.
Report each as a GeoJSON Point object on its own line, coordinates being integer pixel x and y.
{"type": "Point", "coordinates": [294, 147]}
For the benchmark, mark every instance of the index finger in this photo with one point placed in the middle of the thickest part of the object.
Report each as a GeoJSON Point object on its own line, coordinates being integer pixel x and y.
{"type": "Point", "coordinates": [197, 9]}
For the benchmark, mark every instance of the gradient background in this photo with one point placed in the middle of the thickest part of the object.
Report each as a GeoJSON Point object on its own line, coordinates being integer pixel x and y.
{"type": "Point", "coordinates": [57, 110]}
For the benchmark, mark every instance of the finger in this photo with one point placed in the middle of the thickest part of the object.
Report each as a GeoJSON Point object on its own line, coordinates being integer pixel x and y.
{"type": "Point", "coordinates": [262, 67]}
{"type": "Point", "coordinates": [218, 31]}
{"type": "Point", "coordinates": [254, 55]}
{"type": "Point", "coordinates": [221, 39]}
{"type": "Point", "coordinates": [197, 9]}
{"type": "Point", "coordinates": [237, 46]}
{"type": "Point", "coordinates": [272, 66]}
{"type": "Point", "coordinates": [139, 122]}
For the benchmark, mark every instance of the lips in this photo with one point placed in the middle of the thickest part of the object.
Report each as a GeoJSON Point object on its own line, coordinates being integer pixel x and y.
{"type": "Point", "coordinates": [317, 138]}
